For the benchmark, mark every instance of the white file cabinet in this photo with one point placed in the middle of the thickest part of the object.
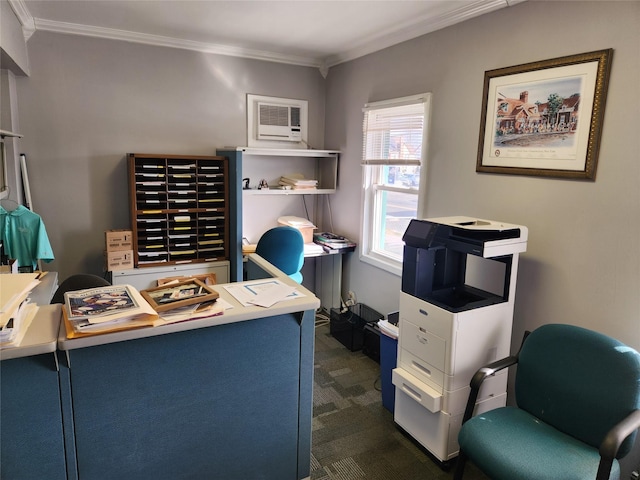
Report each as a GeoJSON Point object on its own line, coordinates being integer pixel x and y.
{"type": "Point", "coordinates": [143, 278]}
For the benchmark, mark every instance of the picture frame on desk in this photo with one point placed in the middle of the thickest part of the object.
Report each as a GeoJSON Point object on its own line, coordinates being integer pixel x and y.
{"type": "Point", "coordinates": [206, 278]}
{"type": "Point", "coordinates": [179, 294]}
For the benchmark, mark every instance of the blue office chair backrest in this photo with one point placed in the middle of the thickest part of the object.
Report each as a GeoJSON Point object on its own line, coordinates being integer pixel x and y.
{"type": "Point", "coordinates": [579, 381]}
{"type": "Point", "coordinates": [283, 247]}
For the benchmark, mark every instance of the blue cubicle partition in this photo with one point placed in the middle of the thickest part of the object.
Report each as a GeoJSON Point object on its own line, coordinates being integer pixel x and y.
{"type": "Point", "coordinates": [30, 421]}
{"type": "Point", "coordinates": [230, 401]}
{"type": "Point", "coordinates": [223, 398]}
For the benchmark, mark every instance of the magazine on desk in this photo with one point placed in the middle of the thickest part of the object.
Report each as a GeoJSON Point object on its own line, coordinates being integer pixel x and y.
{"type": "Point", "coordinates": [106, 304]}
{"type": "Point", "coordinates": [104, 310]}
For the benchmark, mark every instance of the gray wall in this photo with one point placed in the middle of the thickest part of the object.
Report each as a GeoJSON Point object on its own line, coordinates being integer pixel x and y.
{"type": "Point", "coordinates": [89, 102]}
{"type": "Point", "coordinates": [582, 265]}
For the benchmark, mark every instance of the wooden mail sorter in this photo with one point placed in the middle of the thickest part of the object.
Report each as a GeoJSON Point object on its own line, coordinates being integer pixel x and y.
{"type": "Point", "coordinates": [179, 209]}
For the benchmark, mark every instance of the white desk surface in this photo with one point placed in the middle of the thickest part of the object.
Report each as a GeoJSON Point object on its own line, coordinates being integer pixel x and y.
{"type": "Point", "coordinates": [238, 313]}
{"type": "Point", "coordinates": [41, 337]}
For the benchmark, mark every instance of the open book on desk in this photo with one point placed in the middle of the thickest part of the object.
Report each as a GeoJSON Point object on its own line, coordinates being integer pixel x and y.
{"type": "Point", "coordinates": [106, 309]}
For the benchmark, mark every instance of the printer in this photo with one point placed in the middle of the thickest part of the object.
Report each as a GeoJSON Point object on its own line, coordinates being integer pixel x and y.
{"type": "Point", "coordinates": [456, 313]}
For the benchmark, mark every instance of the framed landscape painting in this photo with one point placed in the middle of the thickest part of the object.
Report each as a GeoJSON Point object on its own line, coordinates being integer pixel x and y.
{"type": "Point", "coordinates": [545, 118]}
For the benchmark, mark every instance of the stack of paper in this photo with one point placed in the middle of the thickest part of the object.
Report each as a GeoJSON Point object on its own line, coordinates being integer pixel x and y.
{"type": "Point", "coordinates": [193, 312]}
{"type": "Point", "coordinates": [331, 241]}
{"type": "Point", "coordinates": [297, 181]}
{"type": "Point", "coordinates": [16, 312]}
{"type": "Point", "coordinates": [106, 309]}
{"type": "Point", "coordinates": [263, 293]}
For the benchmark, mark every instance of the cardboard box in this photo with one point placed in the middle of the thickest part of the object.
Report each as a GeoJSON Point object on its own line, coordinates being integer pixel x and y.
{"type": "Point", "coordinates": [119, 260]}
{"type": "Point", "coordinates": [118, 240]}
{"type": "Point", "coordinates": [306, 227]}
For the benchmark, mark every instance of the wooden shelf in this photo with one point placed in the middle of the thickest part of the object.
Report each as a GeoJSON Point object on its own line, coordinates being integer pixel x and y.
{"type": "Point", "coordinates": [179, 209]}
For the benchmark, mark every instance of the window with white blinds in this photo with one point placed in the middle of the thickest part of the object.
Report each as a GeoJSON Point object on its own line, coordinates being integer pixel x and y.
{"type": "Point", "coordinates": [394, 145]}
{"type": "Point", "coordinates": [393, 134]}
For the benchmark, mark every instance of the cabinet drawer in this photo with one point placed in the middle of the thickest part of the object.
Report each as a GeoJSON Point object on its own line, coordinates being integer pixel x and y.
{"type": "Point", "coordinates": [417, 390]}
{"type": "Point", "coordinates": [422, 370]}
{"type": "Point", "coordinates": [423, 344]}
{"type": "Point", "coordinates": [426, 315]}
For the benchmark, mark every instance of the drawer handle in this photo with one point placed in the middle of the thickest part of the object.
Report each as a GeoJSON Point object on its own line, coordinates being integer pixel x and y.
{"type": "Point", "coordinates": [411, 392]}
{"type": "Point", "coordinates": [423, 312]}
{"type": "Point", "coordinates": [424, 370]}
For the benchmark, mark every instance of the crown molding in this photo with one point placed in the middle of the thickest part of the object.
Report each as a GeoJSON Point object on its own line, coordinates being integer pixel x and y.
{"type": "Point", "coordinates": [416, 28]}
{"type": "Point", "coordinates": [158, 40]}
{"type": "Point", "coordinates": [24, 17]}
{"type": "Point", "coordinates": [378, 41]}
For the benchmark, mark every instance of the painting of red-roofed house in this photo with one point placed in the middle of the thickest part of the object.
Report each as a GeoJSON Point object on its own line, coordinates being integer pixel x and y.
{"type": "Point", "coordinates": [545, 118]}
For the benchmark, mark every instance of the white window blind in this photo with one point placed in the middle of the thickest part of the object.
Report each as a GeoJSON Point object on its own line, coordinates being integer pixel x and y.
{"type": "Point", "coordinates": [393, 134]}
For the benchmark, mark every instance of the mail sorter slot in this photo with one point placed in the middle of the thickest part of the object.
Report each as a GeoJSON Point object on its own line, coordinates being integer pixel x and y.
{"type": "Point", "coordinates": [422, 370]}
{"type": "Point", "coordinates": [426, 315]}
{"type": "Point", "coordinates": [417, 390]}
{"type": "Point", "coordinates": [422, 343]}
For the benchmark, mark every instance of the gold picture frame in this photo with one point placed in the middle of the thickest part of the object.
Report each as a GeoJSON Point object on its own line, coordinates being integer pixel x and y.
{"type": "Point", "coordinates": [179, 294]}
{"type": "Point", "coordinates": [545, 118]}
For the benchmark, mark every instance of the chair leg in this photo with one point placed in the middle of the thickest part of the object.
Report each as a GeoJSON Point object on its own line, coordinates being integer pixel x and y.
{"type": "Point", "coordinates": [462, 460]}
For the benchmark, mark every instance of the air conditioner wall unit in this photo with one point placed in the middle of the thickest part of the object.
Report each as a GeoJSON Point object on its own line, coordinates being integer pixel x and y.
{"type": "Point", "coordinates": [279, 122]}
{"type": "Point", "coordinates": [274, 121]}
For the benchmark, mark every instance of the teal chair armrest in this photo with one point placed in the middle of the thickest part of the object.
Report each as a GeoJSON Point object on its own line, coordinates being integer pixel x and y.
{"type": "Point", "coordinates": [612, 441]}
{"type": "Point", "coordinates": [484, 372]}
{"type": "Point", "coordinates": [479, 377]}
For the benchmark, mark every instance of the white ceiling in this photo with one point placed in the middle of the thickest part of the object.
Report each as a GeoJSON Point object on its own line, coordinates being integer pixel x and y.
{"type": "Point", "coordinates": [319, 33]}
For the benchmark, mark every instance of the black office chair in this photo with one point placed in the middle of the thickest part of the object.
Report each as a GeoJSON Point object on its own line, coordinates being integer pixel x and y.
{"type": "Point", "coordinates": [578, 409]}
{"type": "Point", "coordinates": [78, 282]}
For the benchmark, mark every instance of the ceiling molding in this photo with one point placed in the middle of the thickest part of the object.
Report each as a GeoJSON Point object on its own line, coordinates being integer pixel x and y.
{"type": "Point", "coordinates": [157, 40]}
{"type": "Point", "coordinates": [24, 17]}
{"type": "Point", "coordinates": [416, 28]}
{"type": "Point", "coordinates": [380, 40]}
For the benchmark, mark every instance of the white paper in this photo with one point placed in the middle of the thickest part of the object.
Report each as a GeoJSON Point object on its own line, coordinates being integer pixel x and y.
{"type": "Point", "coordinates": [245, 293]}
{"type": "Point", "coordinates": [272, 295]}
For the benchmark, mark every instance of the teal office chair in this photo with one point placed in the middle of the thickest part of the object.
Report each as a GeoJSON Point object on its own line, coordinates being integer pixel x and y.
{"type": "Point", "coordinates": [79, 281]}
{"type": "Point", "coordinates": [283, 247]}
{"type": "Point", "coordinates": [578, 409]}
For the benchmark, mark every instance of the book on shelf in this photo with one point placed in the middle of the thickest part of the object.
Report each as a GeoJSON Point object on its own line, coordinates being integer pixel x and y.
{"type": "Point", "coordinates": [297, 182]}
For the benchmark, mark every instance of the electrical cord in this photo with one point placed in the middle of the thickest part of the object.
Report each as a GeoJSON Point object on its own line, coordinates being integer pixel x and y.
{"type": "Point", "coordinates": [378, 382]}
{"type": "Point", "coordinates": [322, 319]}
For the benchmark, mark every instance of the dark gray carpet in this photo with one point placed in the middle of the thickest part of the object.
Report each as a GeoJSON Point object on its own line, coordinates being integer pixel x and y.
{"type": "Point", "coordinates": [354, 436]}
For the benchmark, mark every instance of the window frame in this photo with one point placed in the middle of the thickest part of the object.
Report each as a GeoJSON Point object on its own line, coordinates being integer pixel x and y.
{"type": "Point", "coordinates": [373, 188]}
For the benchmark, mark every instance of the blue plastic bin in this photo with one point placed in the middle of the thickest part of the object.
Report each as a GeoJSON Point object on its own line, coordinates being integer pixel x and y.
{"type": "Point", "coordinates": [388, 358]}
